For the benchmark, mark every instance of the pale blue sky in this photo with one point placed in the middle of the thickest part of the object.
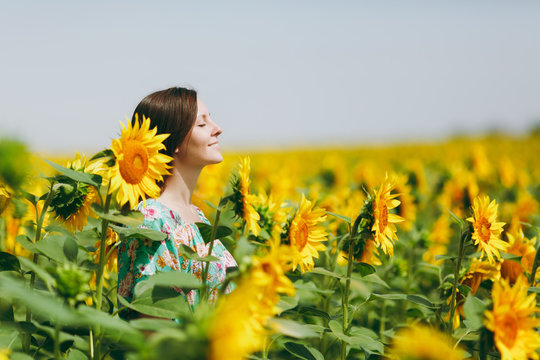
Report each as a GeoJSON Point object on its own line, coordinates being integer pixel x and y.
{"type": "Point", "coordinates": [272, 73]}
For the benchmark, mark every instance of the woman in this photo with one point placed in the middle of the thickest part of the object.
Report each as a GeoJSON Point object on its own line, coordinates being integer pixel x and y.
{"type": "Point", "coordinates": [193, 144]}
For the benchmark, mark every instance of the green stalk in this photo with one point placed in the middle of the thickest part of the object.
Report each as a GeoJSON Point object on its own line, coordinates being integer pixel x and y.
{"type": "Point", "coordinates": [102, 245]}
{"type": "Point", "coordinates": [35, 257]}
{"type": "Point", "coordinates": [92, 344]}
{"type": "Point", "coordinates": [534, 267]}
{"type": "Point", "coordinates": [206, 265]}
{"type": "Point", "coordinates": [99, 273]}
{"type": "Point", "coordinates": [382, 322]}
{"type": "Point", "coordinates": [453, 305]}
{"type": "Point", "coordinates": [346, 299]}
{"type": "Point", "coordinates": [57, 341]}
{"type": "Point", "coordinates": [326, 300]}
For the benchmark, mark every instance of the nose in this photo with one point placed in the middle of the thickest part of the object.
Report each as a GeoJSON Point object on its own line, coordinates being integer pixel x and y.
{"type": "Point", "coordinates": [217, 130]}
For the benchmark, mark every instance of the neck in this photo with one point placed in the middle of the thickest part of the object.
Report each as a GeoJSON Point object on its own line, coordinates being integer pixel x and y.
{"type": "Point", "coordinates": [180, 185]}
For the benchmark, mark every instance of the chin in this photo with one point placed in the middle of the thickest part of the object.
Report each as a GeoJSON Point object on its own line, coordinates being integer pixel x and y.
{"type": "Point", "coordinates": [215, 160]}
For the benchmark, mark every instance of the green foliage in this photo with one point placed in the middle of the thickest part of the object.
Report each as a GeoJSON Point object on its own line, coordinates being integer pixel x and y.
{"type": "Point", "coordinates": [14, 162]}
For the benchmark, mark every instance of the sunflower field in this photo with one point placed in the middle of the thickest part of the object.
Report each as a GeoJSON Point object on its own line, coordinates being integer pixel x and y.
{"type": "Point", "coordinates": [406, 251]}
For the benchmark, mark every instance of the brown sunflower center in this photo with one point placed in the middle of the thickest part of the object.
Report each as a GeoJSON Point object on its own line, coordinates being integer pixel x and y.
{"type": "Point", "coordinates": [135, 162]}
{"type": "Point", "coordinates": [267, 268]}
{"type": "Point", "coordinates": [483, 229]}
{"type": "Point", "coordinates": [383, 216]}
{"type": "Point", "coordinates": [509, 328]}
{"type": "Point", "coordinates": [302, 235]}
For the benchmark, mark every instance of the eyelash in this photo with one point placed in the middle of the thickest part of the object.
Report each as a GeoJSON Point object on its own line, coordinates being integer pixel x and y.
{"type": "Point", "coordinates": [201, 125]}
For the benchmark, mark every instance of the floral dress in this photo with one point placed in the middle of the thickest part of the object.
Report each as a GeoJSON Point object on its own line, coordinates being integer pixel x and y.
{"type": "Point", "coordinates": [138, 259]}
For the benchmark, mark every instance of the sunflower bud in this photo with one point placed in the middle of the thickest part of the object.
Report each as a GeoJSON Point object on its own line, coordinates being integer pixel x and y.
{"type": "Point", "coordinates": [361, 231]}
{"type": "Point", "coordinates": [72, 282]}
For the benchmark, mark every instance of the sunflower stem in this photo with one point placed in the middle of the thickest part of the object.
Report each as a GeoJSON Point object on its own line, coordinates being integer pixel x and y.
{"type": "Point", "coordinates": [325, 302]}
{"type": "Point", "coordinates": [206, 265]}
{"type": "Point", "coordinates": [57, 341]}
{"type": "Point", "coordinates": [99, 273]}
{"type": "Point", "coordinates": [91, 335]}
{"type": "Point", "coordinates": [35, 257]}
{"type": "Point", "coordinates": [453, 305]}
{"type": "Point", "coordinates": [532, 275]}
{"type": "Point", "coordinates": [346, 298]}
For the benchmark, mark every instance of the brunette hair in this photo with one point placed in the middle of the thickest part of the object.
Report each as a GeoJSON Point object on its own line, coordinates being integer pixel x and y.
{"type": "Point", "coordinates": [173, 111]}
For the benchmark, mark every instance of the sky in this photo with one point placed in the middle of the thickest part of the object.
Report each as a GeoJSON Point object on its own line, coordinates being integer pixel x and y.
{"type": "Point", "coordinates": [272, 73]}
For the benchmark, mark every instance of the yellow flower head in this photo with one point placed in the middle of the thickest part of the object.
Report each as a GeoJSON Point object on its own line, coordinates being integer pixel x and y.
{"type": "Point", "coordinates": [110, 246]}
{"type": "Point", "coordinates": [477, 273]}
{"type": "Point", "coordinates": [407, 207]}
{"type": "Point", "coordinates": [383, 226]}
{"type": "Point", "coordinates": [487, 230]}
{"type": "Point", "coordinates": [5, 353]}
{"type": "Point", "coordinates": [520, 246]}
{"type": "Point", "coordinates": [238, 324]}
{"type": "Point", "coordinates": [272, 214]}
{"type": "Point", "coordinates": [306, 235]}
{"type": "Point", "coordinates": [480, 271]}
{"type": "Point", "coordinates": [244, 200]}
{"type": "Point", "coordinates": [139, 164]}
{"type": "Point", "coordinates": [420, 342]}
{"type": "Point", "coordinates": [512, 320]}
{"type": "Point", "coordinates": [269, 270]}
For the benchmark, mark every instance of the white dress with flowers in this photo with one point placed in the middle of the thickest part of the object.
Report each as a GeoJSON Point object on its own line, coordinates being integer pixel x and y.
{"type": "Point", "coordinates": [139, 259]}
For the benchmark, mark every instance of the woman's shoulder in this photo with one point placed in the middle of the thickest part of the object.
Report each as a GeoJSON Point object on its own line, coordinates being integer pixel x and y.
{"type": "Point", "coordinates": [154, 213]}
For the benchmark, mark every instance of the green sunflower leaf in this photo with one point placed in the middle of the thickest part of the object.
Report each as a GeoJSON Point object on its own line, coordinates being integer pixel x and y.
{"type": "Point", "coordinates": [138, 233]}
{"type": "Point", "coordinates": [86, 178]}
{"type": "Point", "coordinates": [206, 231]}
{"type": "Point", "coordinates": [303, 351]}
{"type": "Point", "coordinates": [9, 262]}
{"type": "Point", "coordinates": [341, 217]}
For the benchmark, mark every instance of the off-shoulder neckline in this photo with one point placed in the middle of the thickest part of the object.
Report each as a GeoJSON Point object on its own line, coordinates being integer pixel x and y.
{"type": "Point", "coordinates": [176, 215]}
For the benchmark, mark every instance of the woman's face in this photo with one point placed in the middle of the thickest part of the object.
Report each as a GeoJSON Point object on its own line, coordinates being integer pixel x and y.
{"type": "Point", "coordinates": [202, 146]}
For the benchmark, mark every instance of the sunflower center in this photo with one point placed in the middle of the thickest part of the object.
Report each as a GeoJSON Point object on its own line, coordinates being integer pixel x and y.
{"type": "Point", "coordinates": [267, 268]}
{"type": "Point", "coordinates": [383, 216]}
{"type": "Point", "coordinates": [302, 235]}
{"type": "Point", "coordinates": [135, 162]}
{"type": "Point", "coordinates": [509, 327]}
{"type": "Point", "coordinates": [483, 230]}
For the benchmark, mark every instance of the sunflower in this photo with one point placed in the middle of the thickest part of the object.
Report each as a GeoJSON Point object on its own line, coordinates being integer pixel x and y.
{"type": "Point", "coordinates": [139, 163]}
{"type": "Point", "coordinates": [5, 353]}
{"type": "Point", "coordinates": [272, 214]}
{"type": "Point", "coordinates": [383, 227]}
{"type": "Point", "coordinates": [72, 204]}
{"type": "Point", "coordinates": [243, 200]}
{"type": "Point", "coordinates": [439, 237]}
{"type": "Point", "coordinates": [369, 255]}
{"type": "Point", "coordinates": [110, 245]}
{"type": "Point", "coordinates": [238, 324]}
{"type": "Point", "coordinates": [512, 320]}
{"type": "Point", "coordinates": [420, 342]}
{"type": "Point", "coordinates": [269, 270]}
{"type": "Point", "coordinates": [477, 273]}
{"type": "Point", "coordinates": [407, 207]}
{"type": "Point", "coordinates": [486, 228]}
{"type": "Point", "coordinates": [459, 190]}
{"type": "Point", "coordinates": [305, 235]}
{"type": "Point", "coordinates": [520, 246]}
